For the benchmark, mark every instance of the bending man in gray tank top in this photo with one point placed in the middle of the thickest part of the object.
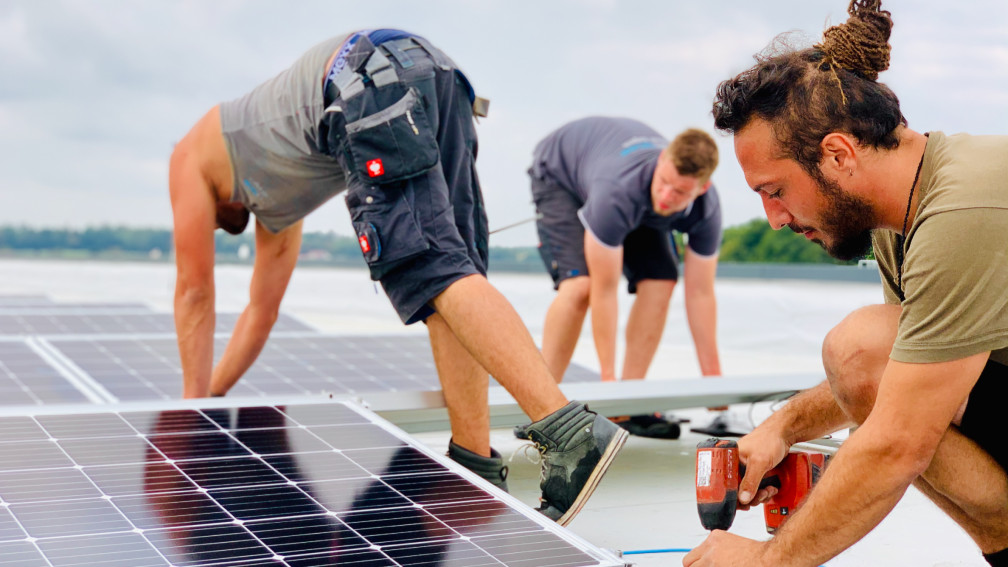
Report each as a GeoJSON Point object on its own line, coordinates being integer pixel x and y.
{"type": "Point", "coordinates": [388, 118]}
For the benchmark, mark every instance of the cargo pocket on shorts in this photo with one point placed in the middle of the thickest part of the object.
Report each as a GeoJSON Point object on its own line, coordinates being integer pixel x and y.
{"type": "Point", "coordinates": [394, 143]}
{"type": "Point", "coordinates": [386, 228]}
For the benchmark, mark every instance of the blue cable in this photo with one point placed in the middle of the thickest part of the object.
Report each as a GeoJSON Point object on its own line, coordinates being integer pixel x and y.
{"type": "Point", "coordinates": [669, 550]}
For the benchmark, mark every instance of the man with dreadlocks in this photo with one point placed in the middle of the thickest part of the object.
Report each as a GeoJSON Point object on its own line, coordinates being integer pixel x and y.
{"type": "Point", "coordinates": [924, 376]}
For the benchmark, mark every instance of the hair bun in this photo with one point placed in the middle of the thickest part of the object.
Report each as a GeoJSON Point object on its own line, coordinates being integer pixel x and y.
{"type": "Point", "coordinates": [861, 44]}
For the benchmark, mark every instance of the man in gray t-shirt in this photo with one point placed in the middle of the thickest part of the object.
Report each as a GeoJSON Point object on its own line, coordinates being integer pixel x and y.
{"type": "Point", "coordinates": [609, 192]}
{"type": "Point", "coordinates": [388, 118]}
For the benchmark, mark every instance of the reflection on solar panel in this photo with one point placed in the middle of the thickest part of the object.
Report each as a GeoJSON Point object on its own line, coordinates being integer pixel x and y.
{"type": "Point", "coordinates": [26, 378]}
{"type": "Point", "coordinates": [64, 321]}
{"type": "Point", "coordinates": [148, 368]}
{"type": "Point", "coordinates": [288, 485]}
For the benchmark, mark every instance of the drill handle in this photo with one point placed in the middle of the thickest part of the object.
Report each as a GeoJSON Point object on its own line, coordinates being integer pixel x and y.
{"type": "Point", "coordinates": [772, 478]}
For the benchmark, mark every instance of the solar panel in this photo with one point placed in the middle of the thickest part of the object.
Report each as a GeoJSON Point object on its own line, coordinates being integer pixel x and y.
{"type": "Point", "coordinates": [64, 321]}
{"type": "Point", "coordinates": [147, 368]}
{"type": "Point", "coordinates": [53, 308]}
{"type": "Point", "coordinates": [298, 485]}
{"type": "Point", "coordinates": [23, 300]}
{"type": "Point", "coordinates": [27, 378]}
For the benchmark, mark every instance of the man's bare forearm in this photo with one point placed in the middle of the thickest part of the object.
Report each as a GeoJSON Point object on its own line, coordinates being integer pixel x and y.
{"type": "Point", "coordinates": [809, 415]}
{"type": "Point", "coordinates": [604, 309]}
{"type": "Point", "coordinates": [194, 322]}
{"type": "Point", "coordinates": [247, 341]}
{"type": "Point", "coordinates": [701, 313]}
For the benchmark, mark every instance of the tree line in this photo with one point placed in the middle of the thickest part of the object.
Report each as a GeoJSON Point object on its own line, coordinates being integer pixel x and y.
{"type": "Point", "coordinates": [750, 242]}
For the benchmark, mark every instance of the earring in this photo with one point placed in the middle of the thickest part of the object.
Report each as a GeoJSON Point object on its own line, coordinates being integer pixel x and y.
{"type": "Point", "coordinates": [851, 172]}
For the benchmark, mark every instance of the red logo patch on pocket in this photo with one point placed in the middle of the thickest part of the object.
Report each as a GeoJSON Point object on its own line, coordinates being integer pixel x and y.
{"type": "Point", "coordinates": [375, 168]}
{"type": "Point", "coordinates": [365, 246]}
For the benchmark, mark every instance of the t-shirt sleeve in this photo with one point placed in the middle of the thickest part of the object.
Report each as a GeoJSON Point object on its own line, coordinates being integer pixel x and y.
{"type": "Point", "coordinates": [955, 277]}
{"type": "Point", "coordinates": [608, 215]}
{"type": "Point", "coordinates": [704, 237]}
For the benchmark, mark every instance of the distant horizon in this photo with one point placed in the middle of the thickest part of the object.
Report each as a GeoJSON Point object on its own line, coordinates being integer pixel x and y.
{"type": "Point", "coordinates": [249, 231]}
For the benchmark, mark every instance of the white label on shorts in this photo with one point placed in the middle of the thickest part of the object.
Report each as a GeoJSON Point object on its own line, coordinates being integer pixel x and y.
{"type": "Point", "coordinates": [703, 468]}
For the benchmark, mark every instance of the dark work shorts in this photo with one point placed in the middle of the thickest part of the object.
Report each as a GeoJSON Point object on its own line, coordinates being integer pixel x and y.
{"type": "Point", "coordinates": [983, 421]}
{"type": "Point", "coordinates": [648, 254]}
{"type": "Point", "coordinates": [426, 227]}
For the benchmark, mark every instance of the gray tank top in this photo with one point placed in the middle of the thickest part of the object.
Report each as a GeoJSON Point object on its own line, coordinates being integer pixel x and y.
{"type": "Point", "coordinates": [280, 174]}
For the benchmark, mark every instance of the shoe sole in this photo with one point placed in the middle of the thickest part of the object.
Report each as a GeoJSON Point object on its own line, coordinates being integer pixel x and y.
{"type": "Point", "coordinates": [596, 476]}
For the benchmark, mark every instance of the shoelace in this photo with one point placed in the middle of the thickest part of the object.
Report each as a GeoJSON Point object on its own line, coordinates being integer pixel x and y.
{"type": "Point", "coordinates": [534, 453]}
{"type": "Point", "coordinates": [541, 449]}
{"type": "Point", "coordinates": [535, 456]}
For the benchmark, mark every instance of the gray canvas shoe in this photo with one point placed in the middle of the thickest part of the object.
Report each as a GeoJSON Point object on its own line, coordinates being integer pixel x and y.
{"type": "Point", "coordinates": [577, 447]}
{"type": "Point", "coordinates": [520, 433]}
{"type": "Point", "coordinates": [490, 468]}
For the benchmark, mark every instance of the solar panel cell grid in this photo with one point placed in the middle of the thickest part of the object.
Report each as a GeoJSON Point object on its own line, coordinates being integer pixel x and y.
{"type": "Point", "coordinates": [107, 550]}
{"type": "Point", "coordinates": [28, 379]}
{"type": "Point", "coordinates": [294, 485]}
{"type": "Point", "coordinates": [113, 320]}
{"type": "Point", "coordinates": [22, 554]}
{"type": "Point", "coordinates": [71, 353]}
{"type": "Point", "coordinates": [47, 484]}
{"type": "Point", "coordinates": [148, 368]}
{"type": "Point", "coordinates": [10, 530]}
{"type": "Point", "coordinates": [20, 428]}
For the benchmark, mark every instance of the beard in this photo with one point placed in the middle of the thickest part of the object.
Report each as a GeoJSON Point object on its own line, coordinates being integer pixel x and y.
{"type": "Point", "coordinates": [847, 219]}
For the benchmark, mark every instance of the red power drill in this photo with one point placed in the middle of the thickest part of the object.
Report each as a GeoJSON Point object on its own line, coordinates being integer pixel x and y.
{"type": "Point", "coordinates": [719, 471]}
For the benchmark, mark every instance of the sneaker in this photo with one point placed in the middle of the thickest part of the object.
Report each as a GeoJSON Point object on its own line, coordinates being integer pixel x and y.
{"type": "Point", "coordinates": [649, 425]}
{"type": "Point", "coordinates": [577, 447]}
{"type": "Point", "coordinates": [489, 468]}
{"type": "Point", "coordinates": [520, 433]}
{"type": "Point", "coordinates": [719, 426]}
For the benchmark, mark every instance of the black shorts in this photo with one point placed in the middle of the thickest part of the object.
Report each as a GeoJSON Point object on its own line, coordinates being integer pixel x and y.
{"type": "Point", "coordinates": [983, 421]}
{"type": "Point", "coordinates": [408, 149]}
{"type": "Point", "coordinates": [648, 254]}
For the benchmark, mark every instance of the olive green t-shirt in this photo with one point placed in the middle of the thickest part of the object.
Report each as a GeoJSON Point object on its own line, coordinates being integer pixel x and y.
{"type": "Point", "coordinates": [955, 272]}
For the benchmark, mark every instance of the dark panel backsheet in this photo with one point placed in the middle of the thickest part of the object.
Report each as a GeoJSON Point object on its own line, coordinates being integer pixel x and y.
{"type": "Point", "coordinates": [27, 379]}
{"type": "Point", "coordinates": [296, 485]}
{"type": "Point", "coordinates": [112, 322]}
{"type": "Point", "coordinates": [148, 368]}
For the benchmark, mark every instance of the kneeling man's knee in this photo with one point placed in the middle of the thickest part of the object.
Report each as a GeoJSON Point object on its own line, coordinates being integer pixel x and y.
{"type": "Point", "coordinates": [855, 353]}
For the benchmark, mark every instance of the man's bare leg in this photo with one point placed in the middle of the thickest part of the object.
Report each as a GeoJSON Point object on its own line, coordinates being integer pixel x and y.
{"type": "Point", "coordinates": [464, 384]}
{"type": "Point", "coordinates": [962, 479]}
{"type": "Point", "coordinates": [493, 333]}
{"type": "Point", "coordinates": [968, 485]}
{"type": "Point", "coordinates": [855, 354]}
{"type": "Point", "coordinates": [645, 326]}
{"type": "Point", "coordinates": [562, 329]}
{"type": "Point", "coordinates": [577, 445]}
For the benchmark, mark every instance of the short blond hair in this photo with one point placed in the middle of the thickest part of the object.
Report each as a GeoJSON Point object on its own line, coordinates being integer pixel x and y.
{"type": "Point", "coordinates": [694, 154]}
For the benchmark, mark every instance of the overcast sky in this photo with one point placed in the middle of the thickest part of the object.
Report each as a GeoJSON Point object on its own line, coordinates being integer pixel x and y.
{"type": "Point", "coordinates": [94, 93]}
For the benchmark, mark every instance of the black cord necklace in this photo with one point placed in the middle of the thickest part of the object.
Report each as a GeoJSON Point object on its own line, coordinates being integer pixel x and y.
{"type": "Point", "coordinates": [906, 217]}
